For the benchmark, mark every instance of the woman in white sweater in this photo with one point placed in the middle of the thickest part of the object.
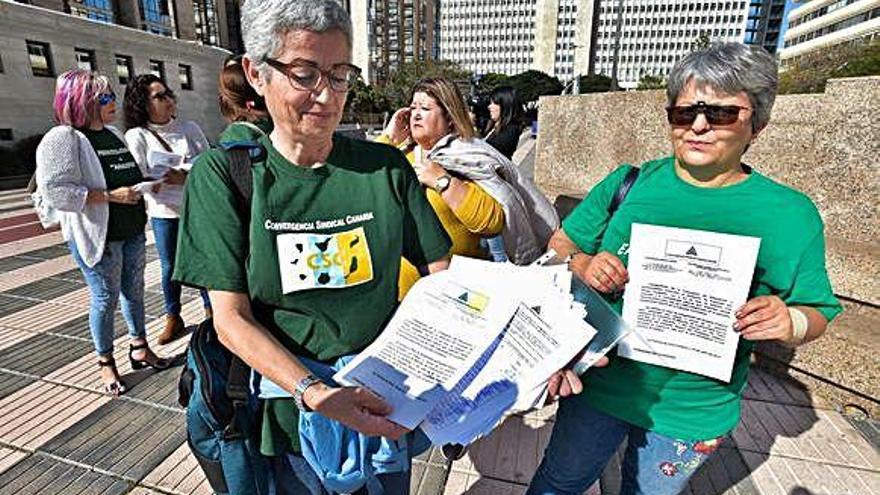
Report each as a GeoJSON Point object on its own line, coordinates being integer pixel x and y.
{"type": "Point", "coordinates": [156, 138]}
{"type": "Point", "coordinates": [85, 171]}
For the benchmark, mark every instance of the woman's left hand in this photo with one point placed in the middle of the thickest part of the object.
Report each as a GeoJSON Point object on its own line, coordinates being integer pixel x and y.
{"type": "Point", "coordinates": [175, 176]}
{"type": "Point", "coordinates": [764, 318]}
{"type": "Point", "coordinates": [428, 172]}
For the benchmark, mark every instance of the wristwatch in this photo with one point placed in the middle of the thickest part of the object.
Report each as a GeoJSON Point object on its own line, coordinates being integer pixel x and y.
{"type": "Point", "coordinates": [301, 387]}
{"type": "Point", "coordinates": [442, 183]}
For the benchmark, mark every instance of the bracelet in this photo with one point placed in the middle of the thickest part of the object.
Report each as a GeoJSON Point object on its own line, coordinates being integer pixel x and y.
{"type": "Point", "coordinates": [799, 325]}
{"type": "Point", "coordinates": [572, 254]}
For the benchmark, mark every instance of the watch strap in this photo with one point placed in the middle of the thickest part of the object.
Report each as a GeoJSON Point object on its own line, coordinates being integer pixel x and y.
{"type": "Point", "coordinates": [300, 390]}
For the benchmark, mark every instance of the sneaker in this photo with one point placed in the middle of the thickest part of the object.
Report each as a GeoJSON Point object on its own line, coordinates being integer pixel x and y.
{"type": "Point", "coordinates": [174, 328]}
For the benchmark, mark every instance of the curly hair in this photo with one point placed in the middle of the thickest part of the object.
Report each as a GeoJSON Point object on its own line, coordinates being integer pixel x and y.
{"type": "Point", "coordinates": [136, 107]}
{"type": "Point", "coordinates": [238, 100]}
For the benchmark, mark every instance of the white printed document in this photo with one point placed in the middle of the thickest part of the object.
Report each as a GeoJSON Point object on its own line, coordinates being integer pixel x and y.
{"type": "Point", "coordinates": [464, 349]}
{"type": "Point", "coordinates": [684, 288]}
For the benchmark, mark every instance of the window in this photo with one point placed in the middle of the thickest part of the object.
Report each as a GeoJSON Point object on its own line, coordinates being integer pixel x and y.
{"type": "Point", "coordinates": [157, 68]}
{"type": "Point", "coordinates": [155, 17]}
{"type": "Point", "coordinates": [97, 10]}
{"type": "Point", "coordinates": [5, 134]}
{"type": "Point", "coordinates": [41, 58]}
{"type": "Point", "coordinates": [124, 68]}
{"type": "Point", "coordinates": [85, 59]}
{"type": "Point", "coordinates": [1, 63]}
{"type": "Point", "coordinates": [185, 74]}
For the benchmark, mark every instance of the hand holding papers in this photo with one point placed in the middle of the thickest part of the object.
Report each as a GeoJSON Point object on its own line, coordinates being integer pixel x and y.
{"type": "Point", "coordinates": [470, 344]}
{"type": "Point", "coordinates": [159, 163]}
{"type": "Point", "coordinates": [684, 287]}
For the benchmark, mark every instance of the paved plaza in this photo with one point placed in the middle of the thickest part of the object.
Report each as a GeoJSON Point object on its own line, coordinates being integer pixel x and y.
{"type": "Point", "coordinates": [60, 435]}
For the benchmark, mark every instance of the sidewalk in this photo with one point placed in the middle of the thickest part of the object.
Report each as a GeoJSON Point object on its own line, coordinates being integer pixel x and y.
{"type": "Point", "coordinates": [60, 435]}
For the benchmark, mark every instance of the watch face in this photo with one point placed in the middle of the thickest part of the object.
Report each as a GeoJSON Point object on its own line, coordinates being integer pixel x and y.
{"type": "Point", "coordinates": [442, 183]}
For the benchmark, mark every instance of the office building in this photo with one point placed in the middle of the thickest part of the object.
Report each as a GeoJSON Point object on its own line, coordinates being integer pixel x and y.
{"type": "Point", "coordinates": [174, 39]}
{"type": "Point", "coordinates": [820, 24]}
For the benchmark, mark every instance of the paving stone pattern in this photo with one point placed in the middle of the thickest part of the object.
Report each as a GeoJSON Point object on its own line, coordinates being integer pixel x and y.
{"type": "Point", "coordinates": [59, 434]}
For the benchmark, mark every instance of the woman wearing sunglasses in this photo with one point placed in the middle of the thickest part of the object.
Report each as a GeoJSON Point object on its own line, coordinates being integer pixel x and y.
{"type": "Point", "coordinates": [719, 101]}
{"type": "Point", "coordinates": [85, 171]}
{"type": "Point", "coordinates": [150, 115]}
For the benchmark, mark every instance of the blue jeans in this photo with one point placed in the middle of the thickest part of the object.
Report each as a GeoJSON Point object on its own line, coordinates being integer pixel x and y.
{"type": "Point", "coordinates": [584, 440]}
{"type": "Point", "coordinates": [292, 475]}
{"type": "Point", "coordinates": [165, 231]}
{"type": "Point", "coordinates": [119, 271]}
{"type": "Point", "coordinates": [495, 246]}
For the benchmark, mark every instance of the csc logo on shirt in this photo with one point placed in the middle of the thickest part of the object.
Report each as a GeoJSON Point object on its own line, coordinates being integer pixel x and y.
{"type": "Point", "coordinates": [324, 261]}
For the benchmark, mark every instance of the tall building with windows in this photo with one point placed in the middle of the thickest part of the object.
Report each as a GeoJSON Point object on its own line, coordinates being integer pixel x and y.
{"type": "Point", "coordinates": [178, 40]}
{"type": "Point", "coordinates": [512, 36]}
{"type": "Point", "coordinates": [655, 35]}
{"type": "Point", "coordinates": [388, 33]}
{"type": "Point", "coordinates": [819, 24]}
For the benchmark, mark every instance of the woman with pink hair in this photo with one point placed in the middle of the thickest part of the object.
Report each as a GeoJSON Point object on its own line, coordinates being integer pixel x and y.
{"type": "Point", "coordinates": [85, 171]}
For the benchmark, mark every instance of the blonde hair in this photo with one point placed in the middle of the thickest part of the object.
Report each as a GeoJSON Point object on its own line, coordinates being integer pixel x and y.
{"type": "Point", "coordinates": [451, 101]}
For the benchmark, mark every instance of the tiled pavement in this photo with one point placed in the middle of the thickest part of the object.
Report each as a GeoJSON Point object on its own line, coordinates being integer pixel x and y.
{"type": "Point", "coordinates": [60, 435]}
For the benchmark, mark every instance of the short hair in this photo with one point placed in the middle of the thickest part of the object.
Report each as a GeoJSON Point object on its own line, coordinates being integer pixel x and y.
{"type": "Point", "coordinates": [237, 98]}
{"type": "Point", "coordinates": [77, 93]}
{"type": "Point", "coordinates": [265, 22]}
{"type": "Point", "coordinates": [449, 97]}
{"type": "Point", "coordinates": [507, 97]}
{"type": "Point", "coordinates": [136, 107]}
{"type": "Point", "coordinates": [730, 68]}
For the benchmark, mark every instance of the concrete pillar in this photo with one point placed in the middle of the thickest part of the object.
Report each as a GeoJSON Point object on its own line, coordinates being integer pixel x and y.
{"type": "Point", "coordinates": [128, 13]}
{"type": "Point", "coordinates": [184, 19]}
{"type": "Point", "coordinates": [360, 36]}
{"type": "Point", "coordinates": [546, 20]}
{"type": "Point", "coordinates": [583, 38]}
{"type": "Point", "coordinates": [49, 4]}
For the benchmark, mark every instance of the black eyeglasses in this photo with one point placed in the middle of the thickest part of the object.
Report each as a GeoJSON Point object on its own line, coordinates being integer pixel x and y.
{"type": "Point", "coordinates": [306, 75]}
{"type": "Point", "coordinates": [167, 94]}
{"type": "Point", "coordinates": [715, 114]}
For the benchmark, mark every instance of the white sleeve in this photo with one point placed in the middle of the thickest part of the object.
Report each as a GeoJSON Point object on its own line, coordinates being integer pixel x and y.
{"type": "Point", "coordinates": [137, 145]}
{"type": "Point", "coordinates": [59, 171]}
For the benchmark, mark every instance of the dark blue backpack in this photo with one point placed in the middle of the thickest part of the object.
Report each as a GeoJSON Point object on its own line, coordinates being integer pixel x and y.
{"type": "Point", "coordinates": [221, 414]}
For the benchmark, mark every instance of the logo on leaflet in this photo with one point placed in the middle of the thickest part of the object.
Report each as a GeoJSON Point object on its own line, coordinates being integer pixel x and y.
{"type": "Point", "coordinates": [324, 261]}
{"type": "Point", "coordinates": [473, 300]}
{"type": "Point", "coordinates": [696, 251]}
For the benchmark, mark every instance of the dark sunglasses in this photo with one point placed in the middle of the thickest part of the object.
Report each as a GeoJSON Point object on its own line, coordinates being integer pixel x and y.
{"type": "Point", "coordinates": [715, 114]}
{"type": "Point", "coordinates": [106, 98]}
{"type": "Point", "coordinates": [162, 95]}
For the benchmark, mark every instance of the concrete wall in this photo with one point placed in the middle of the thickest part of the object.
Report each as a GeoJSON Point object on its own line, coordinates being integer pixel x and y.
{"type": "Point", "coordinates": [826, 145]}
{"type": "Point", "coordinates": [25, 100]}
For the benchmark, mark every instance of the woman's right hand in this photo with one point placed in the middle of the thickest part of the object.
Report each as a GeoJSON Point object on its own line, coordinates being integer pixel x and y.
{"type": "Point", "coordinates": [603, 272]}
{"type": "Point", "coordinates": [123, 195]}
{"type": "Point", "coordinates": [398, 127]}
{"type": "Point", "coordinates": [355, 407]}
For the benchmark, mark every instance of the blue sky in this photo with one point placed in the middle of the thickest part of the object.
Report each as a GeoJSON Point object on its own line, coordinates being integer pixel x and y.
{"type": "Point", "coordinates": [790, 4]}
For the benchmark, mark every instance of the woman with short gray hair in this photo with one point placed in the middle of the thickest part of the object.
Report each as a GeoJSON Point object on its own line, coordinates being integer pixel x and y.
{"type": "Point", "coordinates": [308, 276]}
{"type": "Point", "coordinates": [719, 101]}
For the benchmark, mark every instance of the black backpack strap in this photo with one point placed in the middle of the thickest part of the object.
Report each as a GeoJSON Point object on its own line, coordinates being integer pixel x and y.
{"type": "Point", "coordinates": [623, 190]}
{"type": "Point", "coordinates": [242, 155]}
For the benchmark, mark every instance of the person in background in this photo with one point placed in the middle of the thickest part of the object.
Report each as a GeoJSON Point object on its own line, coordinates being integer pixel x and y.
{"type": "Point", "coordinates": [468, 213]}
{"type": "Point", "coordinates": [505, 120]}
{"type": "Point", "coordinates": [240, 105]}
{"type": "Point", "coordinates": [718, 102]}
{"type": "Point", "coordinates": [150, 115]}
{"type": "Point", "coordinates": [85, 171]}
{"type": "Point", "coordinates": [273, 307]}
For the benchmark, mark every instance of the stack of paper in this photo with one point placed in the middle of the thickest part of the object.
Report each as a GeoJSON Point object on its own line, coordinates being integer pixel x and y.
{"type": "Point", "coordinates": [471, 344]}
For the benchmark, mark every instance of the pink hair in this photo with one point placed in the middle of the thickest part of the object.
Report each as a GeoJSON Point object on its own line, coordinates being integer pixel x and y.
{"type": "Point", "coordinates": [76, 97]}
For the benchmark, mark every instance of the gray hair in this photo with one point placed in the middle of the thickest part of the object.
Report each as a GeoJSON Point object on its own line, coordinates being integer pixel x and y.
{"type": "Point", "coordinates": [730, 68]}
{"type": "Point", "coordinates": [265, 22]}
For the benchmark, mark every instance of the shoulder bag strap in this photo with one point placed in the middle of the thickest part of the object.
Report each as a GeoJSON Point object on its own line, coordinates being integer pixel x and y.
{"type": "Point", "coordinates": [623, 189]}
{"type": "Point", "coordinates": [162, 140]}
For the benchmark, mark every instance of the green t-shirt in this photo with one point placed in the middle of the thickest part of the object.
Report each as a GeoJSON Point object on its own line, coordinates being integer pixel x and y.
{"type": "Point", "coordinates": [245, 131]}
{"type": "Point", "coordinates": [322, 263]}
{"type": "Point", "coordinates": [120, 170]}
{"type": "Point", "coordinates": [791, 265]}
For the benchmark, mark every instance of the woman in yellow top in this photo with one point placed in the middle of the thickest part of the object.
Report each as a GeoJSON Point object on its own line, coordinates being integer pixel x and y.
{"type": "Point", "coordinates": [466, 211]}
